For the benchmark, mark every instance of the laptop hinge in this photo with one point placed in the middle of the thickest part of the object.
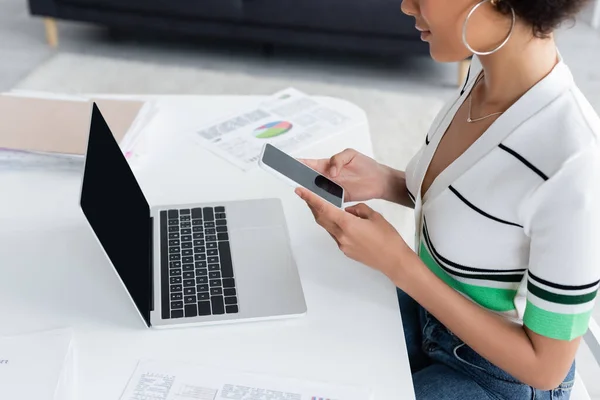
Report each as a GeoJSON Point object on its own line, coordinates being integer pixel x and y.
{"type": "Point", "coordinates": [151, 266]}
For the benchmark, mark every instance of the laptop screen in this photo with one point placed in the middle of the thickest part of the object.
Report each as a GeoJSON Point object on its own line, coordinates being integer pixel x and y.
{"type": "Point", "coordinates": [118, 212]}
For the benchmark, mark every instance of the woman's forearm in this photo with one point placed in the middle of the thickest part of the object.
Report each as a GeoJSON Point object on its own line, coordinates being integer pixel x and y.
{"type": "Point", "coordinates": [508, 345]}
{"type": "Point", "coordinates": [395, 189]}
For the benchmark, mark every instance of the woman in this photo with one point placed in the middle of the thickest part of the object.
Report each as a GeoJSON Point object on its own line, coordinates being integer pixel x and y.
{"type": "Point", "coordinates": [506, 192]}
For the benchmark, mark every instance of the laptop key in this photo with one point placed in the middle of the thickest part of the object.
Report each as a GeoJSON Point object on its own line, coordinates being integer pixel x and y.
{"type": "Point", "coordinates": [173, 214]}
{"type": "Point", "coordinates": [226, 263]}
{"type": "Point", "coordinates": [174, 229]}
{"type": "Point", "coordinates": [213, 259]}
{"type": "Point", "coordinates": [209, 224]}
{"type": "Point", "coordinates": [186, 245]}
{"type": "Point", "coordinates": [184, 211]}
{"type": "Point", "coordinates": [189, 275]}
{"type": "Point", "coordinates": [185, 218]}
{"type": "Point", "coordinates": [186, 225]}
{"type": "Point", "coordinates": [201, 280]}
{"type": "Point", "coordinates": [215, 282]}
{"type": "Point", "coordinates": [222, 236]}
{"type": "Point", "coordinates": [215, 291]}
{"type": "Point", "coordinates": [212, 245]}
{"type": "Point", "coordinates": [176, 296]}
{"type": "Point", "coordinates": [186, 238]}
{"type": "Point", "coordinates": [189, 283]}
{"type": "Point", "coordinates": [230, 300]}
{"type": "Point", "coordinates": [188, 267]}
{"type": "Point", "coordinates": [202, 288]}
{"type": "Point", "coordinates": [177, 304]}
{"type": "Point", "coordinates": [174, 235]}
{"type": "Point", "coordinates": [187, 259]}
{"type": "Point", "coordinates": [198, 229]}
{"type": "Point", "coordinates": [199, 242]}
{"type": "Point", "coordinates": [173, 222]}
{"type": "Point", "coordinates": [174, 257]}
{"type": "Point", "coordinates": [200, 264]}
{"type": "Point", "coordinates": [174, 249]}
{"type": "Point", "coordinates": [197, 222]}
{"type": "Point", "coordinates": [229, 283]}
{"type": "Point", "coordinates": [176, 313]}
{"type": "Point", "coordinates": [214, 267]}
{"type": "Point", "coordinates": [217, 305]}
{"type": "Point", "coordinates": [221, 222]}
{"type": "Point", "coordinates": [221, 229]}
{"type": "Point", "coordinates": [229, 292]}
{"type": "Point", "coordinates": [214, 275]}
{"type": "Point", "coordinates": [191, 310]}
{"type": "Point", "coordinates": [220, 209]}
{"type": "Point", "coordinates": [176, 288]}
{"type": "Point", "coordinates": [199, 257]}
{"type": "Point", "coordinates": [174, 242]}
{"type": "Point", "coordinates": [212, 252]}
{"type": "Point", "coordinates": [175, 264]}
{"type": "Point", "coordinates": [186, 231]}
{"type": "Point", "coordinates": [196, 213]}
{"type": "Point", "coordinates": [199, 249]}
{"type": "Point", "coordinates": [210, 231]}
{"type": "Point", "coordinates": [203, 296]}
{"type": "Point", "coordinates": [187, 252]}
{"type": "Point", "coordinates": [201, 272]}
{"type": "Point", "coordinates": [175, 272]}
{"type": "Point", "coordinates": [204, 307]}
{"type": "Point", "coordinates": [188, 291]}
{"type": "Point", "coordinates": [189, 299]}
{"type": "Point", "coordinates": [175, 279]}
{"type": "Point", "coordinates": [231, 309]}
{"type": "Point", "coordinates": [208, 213]}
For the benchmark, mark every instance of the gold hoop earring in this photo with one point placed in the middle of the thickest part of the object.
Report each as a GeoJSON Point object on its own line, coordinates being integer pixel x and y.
{"type": "Point", "coordinates": [464, 31]}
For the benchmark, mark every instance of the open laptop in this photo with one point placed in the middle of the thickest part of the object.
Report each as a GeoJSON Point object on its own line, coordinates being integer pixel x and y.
{"type": "Point", "coordinates": [187, 264]}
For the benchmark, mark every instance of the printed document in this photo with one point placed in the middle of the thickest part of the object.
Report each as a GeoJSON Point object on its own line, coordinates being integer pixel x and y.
{"type": "Point", "coordinates": [154, 380]}
{"type": "Point", "coordinates": [289, 120]}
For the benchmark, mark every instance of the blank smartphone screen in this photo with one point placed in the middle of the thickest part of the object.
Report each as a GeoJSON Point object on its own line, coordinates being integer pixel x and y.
{"type": "Point", "coordinates": [302, 175]}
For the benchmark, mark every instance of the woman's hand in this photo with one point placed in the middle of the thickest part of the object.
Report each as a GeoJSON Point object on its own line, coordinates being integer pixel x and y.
{"type": "Point", "coordinates": [361, 177]}
{"type": "Point", "coordinates": [361, 233]}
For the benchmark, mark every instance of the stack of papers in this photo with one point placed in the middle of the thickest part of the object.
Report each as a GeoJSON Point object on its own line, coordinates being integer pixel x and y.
{"type": "Point", "coordinates": [37, 126]}
{"type": "Point", "coordinates": [37, 366]}
{"type": "Point", "coordinates": [154, 380]}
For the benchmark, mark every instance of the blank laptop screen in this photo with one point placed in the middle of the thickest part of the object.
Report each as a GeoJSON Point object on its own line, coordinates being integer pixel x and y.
{"type": "Point", "coordinates": [118, 212]}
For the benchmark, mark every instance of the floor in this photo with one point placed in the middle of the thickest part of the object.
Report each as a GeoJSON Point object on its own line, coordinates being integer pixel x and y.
{"type": "Point", "coordinates": [23, 48]}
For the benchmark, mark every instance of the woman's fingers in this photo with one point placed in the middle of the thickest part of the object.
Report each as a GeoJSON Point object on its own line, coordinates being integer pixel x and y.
{"type": "Point", "coordinates": [339, 161]}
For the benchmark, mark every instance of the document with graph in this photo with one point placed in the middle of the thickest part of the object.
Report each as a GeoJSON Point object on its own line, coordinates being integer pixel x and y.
{"type": "Point", "coordinates": [155, 380]}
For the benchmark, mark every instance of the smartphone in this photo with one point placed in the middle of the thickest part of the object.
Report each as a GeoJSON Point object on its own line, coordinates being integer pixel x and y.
{"type": "Point", "coordinates": [297, 174]}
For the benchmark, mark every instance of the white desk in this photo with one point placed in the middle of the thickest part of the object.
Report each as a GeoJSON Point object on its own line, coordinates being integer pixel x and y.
{"type": "Point", "coordinates": [53, 274]}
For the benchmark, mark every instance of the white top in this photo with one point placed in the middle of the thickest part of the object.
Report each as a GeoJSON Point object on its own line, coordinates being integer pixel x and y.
{"type": "Point", "coordinates": [514, 222]}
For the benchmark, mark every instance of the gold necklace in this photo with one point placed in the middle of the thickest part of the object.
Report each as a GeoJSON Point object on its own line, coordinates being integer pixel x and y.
{"type": "Point", "coordinates": [469, 119]}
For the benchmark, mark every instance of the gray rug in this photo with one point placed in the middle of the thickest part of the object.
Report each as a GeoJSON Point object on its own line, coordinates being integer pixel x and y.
{"type": "Point", "coordinates": [398, 122]}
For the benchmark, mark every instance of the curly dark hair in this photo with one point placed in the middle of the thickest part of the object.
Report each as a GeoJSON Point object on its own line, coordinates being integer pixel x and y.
{"type": "Point", "coordinates": [544, 16]}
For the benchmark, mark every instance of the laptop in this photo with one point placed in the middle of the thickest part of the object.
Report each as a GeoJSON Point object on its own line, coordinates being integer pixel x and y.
{"type": "Point", "coordinates": [188, 264]}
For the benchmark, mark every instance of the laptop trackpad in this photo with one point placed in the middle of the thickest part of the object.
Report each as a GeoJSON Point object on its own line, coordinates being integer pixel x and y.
{"type": "Point", "coordinates": [268, 281]}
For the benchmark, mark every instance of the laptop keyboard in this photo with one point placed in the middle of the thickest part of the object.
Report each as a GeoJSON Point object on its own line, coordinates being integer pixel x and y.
{"type": "Point", "coordinates": [196, 268]}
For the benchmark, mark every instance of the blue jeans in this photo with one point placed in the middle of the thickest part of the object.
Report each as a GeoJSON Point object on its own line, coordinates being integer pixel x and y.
{"type": "Point", "coordinates": [445, 368]}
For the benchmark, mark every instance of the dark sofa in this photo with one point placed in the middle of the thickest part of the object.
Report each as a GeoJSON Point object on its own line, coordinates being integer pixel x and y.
{"type": "Point", "coordinates": [376, 26]}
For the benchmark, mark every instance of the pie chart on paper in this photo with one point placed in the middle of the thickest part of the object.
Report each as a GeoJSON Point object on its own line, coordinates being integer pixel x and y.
{"type": "Point", "coordinates": [272, 129]}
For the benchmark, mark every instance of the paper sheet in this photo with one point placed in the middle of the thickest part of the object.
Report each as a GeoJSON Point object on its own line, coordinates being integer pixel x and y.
{"type": "Point", "coordinates": [37, 366]}
{"type": "Point", "coordinates": [290, 120]}
{"type": "Point", "coordinates": [154, 380]}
